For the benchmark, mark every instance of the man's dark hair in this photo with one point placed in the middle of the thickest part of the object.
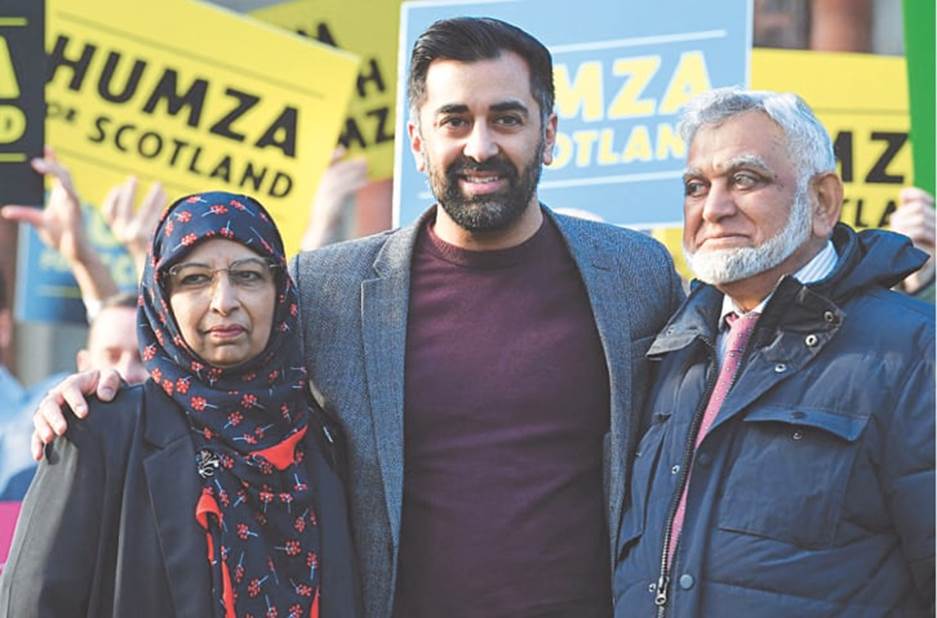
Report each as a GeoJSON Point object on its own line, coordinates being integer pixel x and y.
{"type": "Point", "coordinates": [470, 39]}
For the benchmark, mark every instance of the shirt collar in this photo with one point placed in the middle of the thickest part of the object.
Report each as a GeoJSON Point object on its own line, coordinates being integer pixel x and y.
{"type": "Point", "coordinates": [815, 270]}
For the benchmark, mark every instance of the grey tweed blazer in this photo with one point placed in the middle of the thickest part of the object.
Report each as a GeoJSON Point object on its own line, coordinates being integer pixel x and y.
{"type": "Point", "coordinates": [354, 300]}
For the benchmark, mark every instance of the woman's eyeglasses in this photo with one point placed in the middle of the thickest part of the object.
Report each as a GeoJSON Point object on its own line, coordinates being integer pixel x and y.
{"type": "Point", "coordinates": [247, 274]}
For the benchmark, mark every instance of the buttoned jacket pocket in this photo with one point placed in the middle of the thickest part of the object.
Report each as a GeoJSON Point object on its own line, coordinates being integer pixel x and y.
{"type": "Point", "coordinates": [788, 474]}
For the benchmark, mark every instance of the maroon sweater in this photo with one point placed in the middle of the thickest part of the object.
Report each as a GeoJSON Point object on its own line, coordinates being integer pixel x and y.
{"type": "Point", "coordinates": [506, 403]}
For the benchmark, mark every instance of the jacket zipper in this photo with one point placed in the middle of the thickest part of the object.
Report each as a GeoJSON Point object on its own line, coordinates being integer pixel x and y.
{"type": "Point", "coordinates": [663, 580]}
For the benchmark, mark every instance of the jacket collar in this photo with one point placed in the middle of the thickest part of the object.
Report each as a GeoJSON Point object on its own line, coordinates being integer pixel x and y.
{"type": "Point", "coordinates": [792, 304]}
{"type": "Point", "coordinates": [385, 300]}
{"type": "Point", "coordinates": [393, 259]}
{"type": "Point", "coordinates": [695, 319]}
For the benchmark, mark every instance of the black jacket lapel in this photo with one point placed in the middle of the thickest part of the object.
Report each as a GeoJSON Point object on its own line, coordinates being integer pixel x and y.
{"type": "Point", "coordinates": [174, 488]}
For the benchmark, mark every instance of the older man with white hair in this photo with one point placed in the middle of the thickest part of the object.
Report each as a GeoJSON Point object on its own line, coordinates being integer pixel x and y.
{"type": "Point", "coordinates": [787, 462]}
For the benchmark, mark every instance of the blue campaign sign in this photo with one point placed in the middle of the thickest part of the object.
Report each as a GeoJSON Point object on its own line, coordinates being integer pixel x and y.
{"type": "Point", "coordinates": [45, 288]}
{"type": "Point", "coordinates": [46, 291]}
{"type": "Point", "coordinates": [622, 71]}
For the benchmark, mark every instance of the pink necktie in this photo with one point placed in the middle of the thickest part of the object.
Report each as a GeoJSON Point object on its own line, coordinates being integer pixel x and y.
{"type": "Point", "coordinates": [740, 331]}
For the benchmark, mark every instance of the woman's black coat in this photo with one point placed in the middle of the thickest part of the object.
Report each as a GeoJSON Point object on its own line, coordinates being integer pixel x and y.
{"type": "Point", "coordinates": [108, 527]}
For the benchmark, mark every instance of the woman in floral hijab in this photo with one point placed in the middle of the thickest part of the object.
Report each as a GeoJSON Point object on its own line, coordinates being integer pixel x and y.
{"type": "Point", "coordinates": [218, 329]}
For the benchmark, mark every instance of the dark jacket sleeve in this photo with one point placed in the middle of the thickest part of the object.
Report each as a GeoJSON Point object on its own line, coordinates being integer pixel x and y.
{"type": "Point", "coordinates": [51, 567]}
{"type": "Point", "coordinates": [908, 467]}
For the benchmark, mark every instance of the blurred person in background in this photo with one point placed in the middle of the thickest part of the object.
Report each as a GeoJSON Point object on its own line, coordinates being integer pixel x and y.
{"type": "Point", "coordinates": [112, 339]}
{"type": "Point", "coordinates": [111, 344]}
{"type": "Point", "coordinates": [827, 25]}
{"type": "Point", "coordinates": [16, 405]}
{"type": "Point", "coordinates": [11, 391]}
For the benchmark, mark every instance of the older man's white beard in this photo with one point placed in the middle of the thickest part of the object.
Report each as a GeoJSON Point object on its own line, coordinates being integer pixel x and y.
{"type": "Point", "coordinates": [728, 265]}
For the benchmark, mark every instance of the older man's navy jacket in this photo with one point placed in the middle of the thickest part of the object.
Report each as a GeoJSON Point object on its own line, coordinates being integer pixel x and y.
{"type": "Point", "coordinates": [813, 492]}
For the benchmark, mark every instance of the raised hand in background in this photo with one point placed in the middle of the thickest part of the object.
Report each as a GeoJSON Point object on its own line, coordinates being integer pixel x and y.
{"type": "Point", "coordinates": [340, 181]}
{"type": "Point", "coordinates": [134, 228]}
{"type": "Point", "coordinates": [61, 227]}
{"type": "Point", "coordinates": [915, 218]}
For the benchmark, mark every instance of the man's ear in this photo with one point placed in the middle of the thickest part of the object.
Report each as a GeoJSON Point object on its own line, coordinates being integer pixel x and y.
{"type": "Point", "coordinates": [416, 144]}
{"type": "Point", "coordinates": [83, 360]}
{"type": "Point", "coordinates": [549, 139]}
{"type": "Point", "coordinates": [828, 203]}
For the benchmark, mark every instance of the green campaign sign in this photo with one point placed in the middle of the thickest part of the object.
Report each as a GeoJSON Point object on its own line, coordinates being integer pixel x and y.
{"type": "Point", "coordinates": [919, 51]}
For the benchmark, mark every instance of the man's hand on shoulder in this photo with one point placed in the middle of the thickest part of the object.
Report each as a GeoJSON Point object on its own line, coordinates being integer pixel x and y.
{"type": "Point", "coordinates": [49, 419]}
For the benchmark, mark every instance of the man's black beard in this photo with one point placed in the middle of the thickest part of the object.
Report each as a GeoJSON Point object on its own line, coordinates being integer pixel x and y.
{"type": "Point", "coordinates": [494, 211]}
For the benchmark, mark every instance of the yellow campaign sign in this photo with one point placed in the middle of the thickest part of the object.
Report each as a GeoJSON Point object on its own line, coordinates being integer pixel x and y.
{"type": "Point", "coordinates": [9, 87]}
{"type": "Point", "coordinates": [862, 100]}
{"type": "Point", "coordinates": [22, 106]}
{"type": "Point", "coordinates": [368, 128]}
{"type": "Point", "coordinates": [196, 97]}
